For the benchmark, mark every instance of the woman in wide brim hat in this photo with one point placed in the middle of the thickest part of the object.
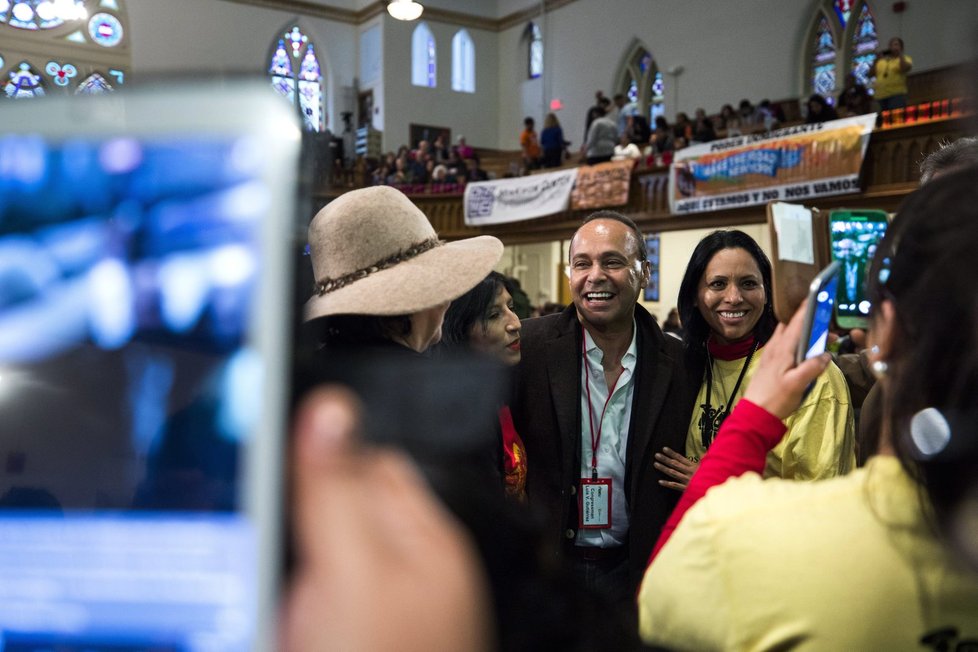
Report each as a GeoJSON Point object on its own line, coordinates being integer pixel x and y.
{"type": "Point", "coordinates": [381, 273]}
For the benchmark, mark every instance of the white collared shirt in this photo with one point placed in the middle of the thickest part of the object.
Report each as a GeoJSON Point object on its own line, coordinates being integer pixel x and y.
{"type": "Point", "coordinates": [614, 435]}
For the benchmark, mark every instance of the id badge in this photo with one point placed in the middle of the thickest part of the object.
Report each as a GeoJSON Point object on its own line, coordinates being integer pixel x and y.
{"type": "Point", "coordinates": [595, 503]}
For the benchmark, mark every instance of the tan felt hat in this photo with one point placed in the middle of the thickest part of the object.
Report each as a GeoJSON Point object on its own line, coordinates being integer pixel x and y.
{"type": "Point", "coordinates": [375, 253]}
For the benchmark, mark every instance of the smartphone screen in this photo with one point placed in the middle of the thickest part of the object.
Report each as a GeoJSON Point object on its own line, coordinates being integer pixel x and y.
{"type": "Point", "coordinates": [135, 388]}
{"type": "Point", "coordinates": [855, 238]}
{"type": "Point", "coordinates": [818, 318]}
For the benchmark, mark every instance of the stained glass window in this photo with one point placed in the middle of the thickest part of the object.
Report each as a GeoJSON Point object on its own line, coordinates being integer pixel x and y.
{"type": "Point", "coordinates": [94, 84]}
{"type": "Point", "coordinates": [463, 62]}
{"type": "Point", "coordinates": [23, 83]}
{"type": "Point", "coordinates": [105, 29]}
{"type": "Point", "coordinates": [294, 51]}
{"type": "Point", "coordinates": [35, 34]}
{"type": "Point", "coordinates": [283, 80]}
{"type": "Point", "coordinates": [536, 51]}
{"type": "Point", "coordinates": [424, 70]}
{"type": "Point", "coordinates": [843, 9]}
{"type": "Point", "coordinates": [38, 14]}
{"type": "Point", "coordinates": [431, 69]}
{"type": "Point", "coordinates": [642, 83]}
{"type": "Point", "coordinates": [632, 92]}
{"type": "Point", "coordinates": [61, 74]}
{"type": "Point", "coordinates": [823, 59]}
{"type": "Point", "coordinates": [310, 90]}
{"type": "Point", "coordinates": [658, 88]}
{"type": "Point", "coordinates": [645, 62]}
{"type": "Point", "coordinates": [864, 44]}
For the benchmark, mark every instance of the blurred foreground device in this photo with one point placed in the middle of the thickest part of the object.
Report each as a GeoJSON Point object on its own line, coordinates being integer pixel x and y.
{"type": "Point", "coordinates": [144, 326]}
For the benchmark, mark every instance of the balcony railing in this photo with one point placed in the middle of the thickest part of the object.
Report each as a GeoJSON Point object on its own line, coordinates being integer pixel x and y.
{"type": "Point", "coordinates": [889, 173]}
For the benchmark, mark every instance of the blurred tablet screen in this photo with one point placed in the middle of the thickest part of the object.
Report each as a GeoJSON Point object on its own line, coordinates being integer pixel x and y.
{"type": "Point", "coordinates": [143, 316]}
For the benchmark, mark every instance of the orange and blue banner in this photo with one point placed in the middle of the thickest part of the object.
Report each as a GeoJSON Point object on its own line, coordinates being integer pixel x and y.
{"type": "Point", "coordinates": [795, 163]}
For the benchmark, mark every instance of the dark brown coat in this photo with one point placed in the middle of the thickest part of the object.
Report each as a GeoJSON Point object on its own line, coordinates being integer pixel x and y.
{"type": "Point", "coordinates": [547, 413]}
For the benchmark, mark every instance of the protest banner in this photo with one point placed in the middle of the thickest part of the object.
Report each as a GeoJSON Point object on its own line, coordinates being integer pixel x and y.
{"type": "Point", "coordinates": [602, 185]}
{"type": "Point", "coordinates": [795, 163]}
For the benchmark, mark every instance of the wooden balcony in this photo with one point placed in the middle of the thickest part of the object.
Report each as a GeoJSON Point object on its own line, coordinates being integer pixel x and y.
{"type": "Point", "coordinates": [888, 174]}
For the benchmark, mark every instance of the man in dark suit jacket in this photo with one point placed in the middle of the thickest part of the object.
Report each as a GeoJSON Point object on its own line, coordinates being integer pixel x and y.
{"type": "Point", "coordinates": [556, 397]}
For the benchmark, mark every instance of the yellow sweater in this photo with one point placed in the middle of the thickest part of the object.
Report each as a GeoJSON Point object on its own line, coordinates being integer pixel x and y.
{"type": "Point", "coordinates": [890, 80]}
{"type": "Point", "coordinates": [844, 564]}
{"type": "Point", "coordinates": [820, 442]}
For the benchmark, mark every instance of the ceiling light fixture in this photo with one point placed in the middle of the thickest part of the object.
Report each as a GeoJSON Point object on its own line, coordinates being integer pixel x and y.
{"type": "Point", "coordinates": [404, 9]}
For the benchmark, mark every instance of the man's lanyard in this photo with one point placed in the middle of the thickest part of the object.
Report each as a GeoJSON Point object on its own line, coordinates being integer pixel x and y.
{"type": "Point", "coordinates": [595, 437]}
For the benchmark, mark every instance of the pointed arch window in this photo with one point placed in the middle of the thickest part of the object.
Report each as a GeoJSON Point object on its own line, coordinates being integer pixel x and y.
{"type": "Point", "coordinates": [843, 39]}
{"type": "Point", "coordinates": [535, 44]}
{"type": "Point", "coordinates": [864, 44]}
{"type": "Point", "coordinates": [823, 64]}
{"type": "Point", "coordinates": [58, 47]}
{"type": "Point", "coordinates": [297, 75]}
{"type": "Point", "coordinates": [642, 83]}
{"type": "Point", "coordinates": [424, 71]}
{"type": "Point", "coordinates": [463, 62]}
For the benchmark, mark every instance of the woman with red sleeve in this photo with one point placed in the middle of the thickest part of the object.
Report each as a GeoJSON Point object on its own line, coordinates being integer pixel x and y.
{"type": "Point", "coordinates": [886, 556]}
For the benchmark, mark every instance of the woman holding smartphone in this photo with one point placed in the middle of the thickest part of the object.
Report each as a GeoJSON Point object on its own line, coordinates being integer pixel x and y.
{"type": "Point", "coordinates": [725, 303]}
{"type": "Point", "coordinates": [890, 70]}
{"type": "Point", "coordinates": [878, 559]}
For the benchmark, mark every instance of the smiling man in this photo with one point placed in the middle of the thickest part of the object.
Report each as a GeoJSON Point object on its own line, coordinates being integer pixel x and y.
{"type": "Point", "coordinates": [599, 390]}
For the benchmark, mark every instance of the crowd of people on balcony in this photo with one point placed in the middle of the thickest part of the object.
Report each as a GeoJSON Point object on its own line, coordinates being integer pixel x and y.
{"type": "Point", "coordinates": [615, 130]}
{"type": "Point", "coordinates": [431, 167]}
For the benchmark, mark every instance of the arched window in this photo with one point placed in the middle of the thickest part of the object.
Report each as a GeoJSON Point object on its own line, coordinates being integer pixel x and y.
{"type": "Point", "coordinates": [424, 71]}
{"type": "Point", "coordinates": [823, 59]}
{"type": "Point", "coordinates": [75, 47]}
{"type": "Point", "coordinates": [535, 45]}
{"type": "Point", "coordinates": [842, 39]}
{"type": "Point", "coordinates": [864, 42]}
{"type": "Point", "coordinates": [297, 75]}
{"type": "Point", "coordinates": [463, 62]}
{"type": "Point", "coordinates": [641, 82]}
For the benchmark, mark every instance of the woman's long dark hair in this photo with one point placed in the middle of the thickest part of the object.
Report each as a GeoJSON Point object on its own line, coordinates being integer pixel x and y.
{"type": "Point", "coordinates": [695, 327]}
{"type": "Point", "coordinates": [471, 308]}
{"type": "Point", "coordinates": [925, 267]}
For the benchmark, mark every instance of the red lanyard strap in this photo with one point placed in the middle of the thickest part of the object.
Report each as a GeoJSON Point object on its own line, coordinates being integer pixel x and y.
{"type": "Point", "coordinates": [595, 438]}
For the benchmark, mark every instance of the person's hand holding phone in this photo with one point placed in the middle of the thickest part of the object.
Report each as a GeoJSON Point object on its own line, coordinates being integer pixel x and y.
{"type": "Point", "coordinates": [381, 563]}
{"type": "Point", "coordinates": [779, 384]}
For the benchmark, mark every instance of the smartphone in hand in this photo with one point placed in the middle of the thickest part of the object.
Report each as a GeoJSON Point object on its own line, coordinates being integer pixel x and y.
{"type": "Point", "coordinates": [818, 314]}
{"type": "Point", "coordinates": [855, 236]}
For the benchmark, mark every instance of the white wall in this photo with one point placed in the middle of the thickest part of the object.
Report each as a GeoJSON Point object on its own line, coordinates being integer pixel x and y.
{"type": "Point", "coordinates": [729, 50]}
{"type": "Point", "coordinates": [470, 114]}
{"type": "Point", "coordinates": [189, 37]}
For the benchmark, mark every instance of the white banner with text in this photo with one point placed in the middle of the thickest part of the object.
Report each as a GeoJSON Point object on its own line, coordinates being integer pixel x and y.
{"type": "Point", "coordinates": [521, 198]}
